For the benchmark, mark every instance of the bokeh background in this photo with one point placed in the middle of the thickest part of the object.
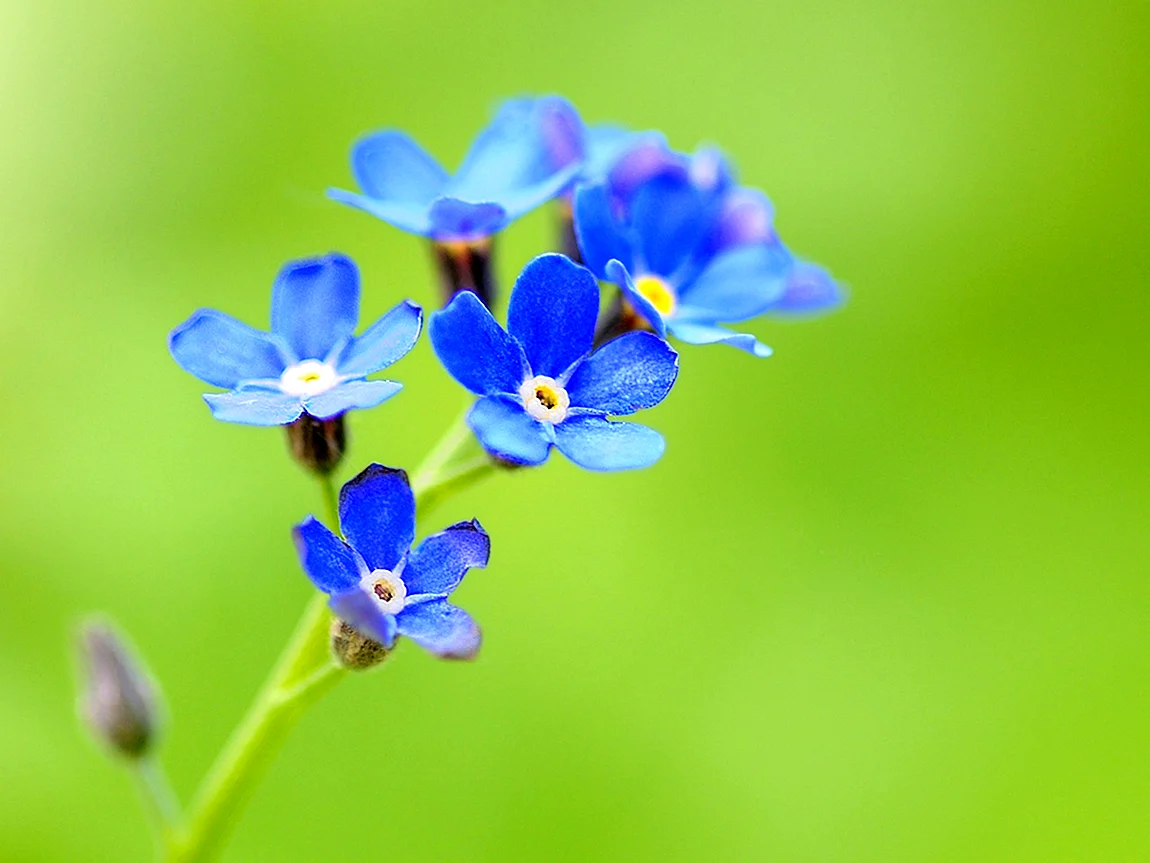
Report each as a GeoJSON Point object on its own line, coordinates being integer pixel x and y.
{"type": "Point", "coordinates": [886, 597]}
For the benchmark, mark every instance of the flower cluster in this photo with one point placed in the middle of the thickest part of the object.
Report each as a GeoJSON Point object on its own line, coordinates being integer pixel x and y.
{"type": "Point", "coordinates": [684, 248]}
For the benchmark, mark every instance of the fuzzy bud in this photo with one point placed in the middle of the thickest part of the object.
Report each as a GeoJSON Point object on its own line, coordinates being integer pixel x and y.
{"type": "Point", "coordinates": [119, 704]}
{"type": "Point", "coordinates": [318, 445]}
{"type": "Point", "coordinates": [353, 651]}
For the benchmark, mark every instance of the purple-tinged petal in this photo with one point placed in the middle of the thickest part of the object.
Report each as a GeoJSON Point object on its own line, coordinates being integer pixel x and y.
{"type": "Point", "coordinates": [618, 274]}
{"type": "Point", "coordinates": [738, 284]}
{"type": "Point", "coordinates": [474, 348]}
{"type": "Point", "coordinates": [697, 333]}
{"type": "Point", "coordinates": [439, 563]}
{"type": "Point", "coordinates": [351, 394]}
{"type": "Point", "coordinates": [384, 342]}
{"type": "Point", "coordinates": [361, 613]}
{"type": "Point", "coordinates": [506, 430]}
{"type": "Point", "coordinates": [413, 218]}
{"type": "Point", "coordinates": [646, 158]}
{"type": "Point", "coordinates": [315, 304]}
{"type": "Point", "coordinates": [328, 561]}
{"type": "Point", "coordinates": [221, 351]}
{"type": "Point", "coordinates": [710, 170]}
{"type": "Point", "coordinates": [552, 313]}
{"type": "Point", "coordinates": [255, 407]}
{"type": "Point", "coordinates": [627, 374]}
{"type": "Point", "coordinates": [440, 627]}
{"type": "Point", "coordinates": [745, 218]}
{"type": "Point", "coordinates": [377, 515]}
{"type": "Point", "coordinates": [390, 166]}
{"type": "Point", "coordinates": [809, 288]}
{"type": "Point", "coordinates": [668, 215]}
{"type": "Point", "coordinates": [602, 236]}
{"type": "Point", "coordinates": [606, 143]}
{"type": "Point", "coordinates": [596, 443]}
{"type": "Point", "coordinates": [453, 219]}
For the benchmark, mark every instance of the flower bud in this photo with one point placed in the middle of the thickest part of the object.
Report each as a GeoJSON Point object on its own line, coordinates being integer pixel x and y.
{"type": "Point", "coordinates": [119, 704]}
{"type": "Point", "coordinates": [316, 444]}
{"type": "Point", "coordinates": [465, 266]}
{"type": "Point", "coordinates": [354, 651]}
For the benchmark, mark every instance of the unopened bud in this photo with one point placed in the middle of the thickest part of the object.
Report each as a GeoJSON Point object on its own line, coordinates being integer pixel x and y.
{"type": "Point", "coordinates": [465, 265]}
{"type": "Point", "coordinates": [119, 704]}
{"type": "Point", "coordinates": [354, 651]}
{"type": "Point", "coordinates": [316, 444]}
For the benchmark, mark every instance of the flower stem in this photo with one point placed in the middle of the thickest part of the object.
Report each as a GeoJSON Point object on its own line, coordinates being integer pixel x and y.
{"type": "Point", "coordinates": [160, 803]}
{"type": "Point", "coordinates": [304, 672]}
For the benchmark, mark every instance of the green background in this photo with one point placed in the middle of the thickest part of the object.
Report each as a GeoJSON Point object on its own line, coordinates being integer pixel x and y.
{"type": "Point", "coordinates": [885, 598]}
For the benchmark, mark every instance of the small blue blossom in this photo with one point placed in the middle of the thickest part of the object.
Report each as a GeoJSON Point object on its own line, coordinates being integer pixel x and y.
{"type": "Point", "coordinates": [690, 249]}
{"type": "Point", "coordinates": [378, 584]}
{"type": "Point", "coordinates": [310, 361]}
{"type": "Point", "coordinates": [529, 153]}
{"type": "Point", "coordinates": [539, 383]}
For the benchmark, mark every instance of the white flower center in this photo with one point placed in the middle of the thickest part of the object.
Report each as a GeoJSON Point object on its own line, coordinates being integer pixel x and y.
{"type": "Point", "coordinates": [309, 378]}
{"type": "Point", "coordinates": [544, 399]}
{"type": "Point", "coordinates": [387, 589]}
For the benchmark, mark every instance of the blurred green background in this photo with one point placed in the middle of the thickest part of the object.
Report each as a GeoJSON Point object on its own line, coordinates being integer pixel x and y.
{"type": "Point", "coordinates": [884, 599]}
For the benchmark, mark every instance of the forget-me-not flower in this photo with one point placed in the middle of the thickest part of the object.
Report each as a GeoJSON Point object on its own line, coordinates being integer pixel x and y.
{"type": "Point", "coordinates": [539, 383]}
{"type": "Point", "coordinates": [529, 153]}
{"type": "Point", "coordinates": [310, 361]}
{"type": "Point", "coordinates": [378, 584]}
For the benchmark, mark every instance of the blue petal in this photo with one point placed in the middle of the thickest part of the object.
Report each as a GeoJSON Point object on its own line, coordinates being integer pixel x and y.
{"type": "Point", "coordinates": [390, 166]}
{"type": "Point", "coordinates": [810, 288]}
{"type": "Point", "coordinates": [351, 394]}
{"type": "Point", "coordinates": [553, 309]}
{"type": "Point", "coordinates": [627, 374]}
{"type": "Point", "coordinates": [315, 304]}
{"type": "Point", "coordinates": [413, 218]}
{"type": "Point", "coordinates": [221, 351]}
{"type": "Point", "coordinates": [737, 284]}
{"type": "Point", "coordinates": [505, 429]}
{"type": "Point", "coordinates": [453, 219]}
{"type": "Point", "coordinates": [697, 333]}
{"type": "Point", "coordinates": [474, 349]}
{"type": "Point", "coordinates": [745, 218]}
{"type": "Point", "coordinates": [647, 157]}
{"type": "Point", "coordinates": [255, 407]}
{"type": "Point", "coordinates": [606, 143]}
{"type": "Point", "coordinates": [377, 515]}
{"type": "Point", "coordinates": [602, 237]}
{"type": "Point", "coordinates": [440, 562]}
{"type": "Point", "coordinates": [384, 342]}
{"type": "Point", "coordinates": [328, 561]}
{"type": "Point", "coordinates": [710, 170]}
{"type": "Point", "coordinates": [618, 274]}
{"type": "Point", "coordinates": [599, 444]}
{"type": "Point", "coordinates": [442, 628]}
{"type": "Point", "coordinates": [668, 215]}
{"type": "Point", "coordinates": [363, 614]}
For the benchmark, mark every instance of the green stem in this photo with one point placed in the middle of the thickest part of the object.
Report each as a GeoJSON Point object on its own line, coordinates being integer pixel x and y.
{"type": "Point", "coordinates": [160, 803]}
{"type": "Point", "coordinates": [304, 672]}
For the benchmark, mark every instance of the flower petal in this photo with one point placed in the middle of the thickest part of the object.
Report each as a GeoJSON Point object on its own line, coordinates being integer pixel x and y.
{"type": "Point", "coordinates": [745, 218]}
{"type": "Point", "coordinates": [413, 218]}
{"type": "Point", "coordinates": [328, 561]}
{"type": "Point", "coordinates": [315, 304]}
{"type": "Point", "coordinates": [361, 613]}
{"type": "Point", "coordinates": [627, 374]}
{"type": "Point", "coordinates": [255, 407]}
{"type": "Point", "coordinates": [809, 288]}
{"type": "Point", "coordinates": [618, 274]}
{"type": "Point", "coordinates": [474, 349]}
{"type": "Point", "coordinates": [390, 166]}
{"type": "Point", "coordinates": [696, 333]}
{"type": "Point", "coordinates": [505, 429]}
{"type": "Point", "coordinates": [452, 219]}
{"type": "Point", "coordinates": [605, 144]}
{"type": "Point", "coordinates": [351, 394]}
{"type": "Point", "coordinates": [552, 313]}
{"type": "Point", "coordinates": [439, 563]}
{"type": "Point", "coordinates": [384, 342]}
{"type": "Point", "coordinates": [377, 515]}
{"type": "Point", "coordinates": [602, 237]}
{"type": "Point", "coordinates": [737, 284]}
{"type": "Point", "coordinates": [221, 351]}
{"type": "Point", "coordinates": [440, 627]}
{"type": "Point", "coordinates": [669, 217]}
{"type": "Point", "coordinates": [647, 157]}
{"type": "Point", "coordinates": [596, 443]}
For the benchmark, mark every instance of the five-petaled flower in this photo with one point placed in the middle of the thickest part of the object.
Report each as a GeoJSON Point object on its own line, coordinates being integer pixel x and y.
{"type": "Point", "coordinates": [690, 249]}
{"type": "Point", "coordinates": [378, 584]}
{"type": "Point", "coordinates": [539, 383]}
{"type": "Point", "coordinates": [310, 361]}
{"type": "Point", "coordinates": [528, 154]}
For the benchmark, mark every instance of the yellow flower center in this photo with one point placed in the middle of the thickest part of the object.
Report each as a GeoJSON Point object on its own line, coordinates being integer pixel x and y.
{"type": "Point", "coordinates": [658, 293]}
{"type": "Point", "coordinates": [544, 399]}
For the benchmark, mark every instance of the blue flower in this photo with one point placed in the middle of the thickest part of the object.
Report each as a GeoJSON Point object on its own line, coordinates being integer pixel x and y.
{"type": "Point", "coordinates": [540, 384]}
{"type": "Point", "coordinates": [310, 361]}
{"type": "Point", "coordinates": [378, 584]}
{"type": "Point", "coordinates": [527, 156]}
{"type": "Point", "coordinates": [690, 249]}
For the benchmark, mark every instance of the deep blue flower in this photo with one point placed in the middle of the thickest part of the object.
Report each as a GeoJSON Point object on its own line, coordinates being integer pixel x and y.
{"type": "Point", "coordinates": [310, 361]}
{"type": "Point", "coordinates": [539, 382]}
{"type": "Point", "coordinates": [527, 155]}
{"type": "Point", "coordinates": [378, 584]}
{"type": "Point", "coordinates": [690, 249]}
